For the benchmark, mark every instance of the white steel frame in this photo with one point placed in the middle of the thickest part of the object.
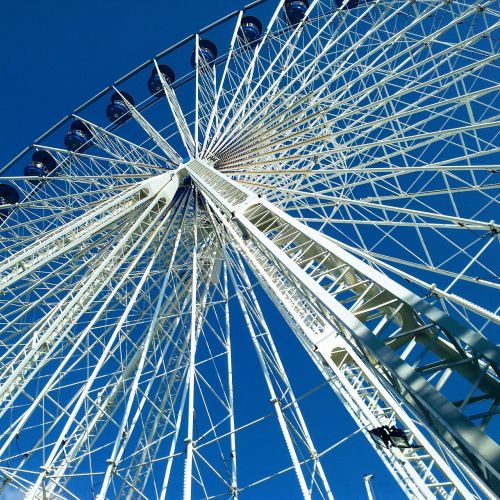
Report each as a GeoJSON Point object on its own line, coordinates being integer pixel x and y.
{"type": "Point", "coordinates": [338, 164]}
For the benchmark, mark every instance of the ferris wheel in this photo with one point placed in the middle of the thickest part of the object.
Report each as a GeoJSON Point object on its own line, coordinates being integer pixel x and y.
{"type": "Point", "coordinates": [307, 205]}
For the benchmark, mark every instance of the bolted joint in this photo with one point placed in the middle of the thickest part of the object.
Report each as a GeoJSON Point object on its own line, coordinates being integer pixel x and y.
{"type": "Point", "coordinates": [47, 469]}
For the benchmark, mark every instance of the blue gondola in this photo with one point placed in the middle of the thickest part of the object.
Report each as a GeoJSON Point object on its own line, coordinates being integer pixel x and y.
{"type": "Point", "coordinates": [207, 53]}
{"type": "Point", "coordinates": [154, 83]}
{"type": "Point", "coordinates": [295, 11]}
{"type": "Point", "coordinates": [78, 138]}
{"type": "Point", "coordinates": [41, 165]}
{"type": "Point", "coordinates": [8, 196]}
{"type": "Point", "coordinates": [350, 4]}
{"type": "Point", "coordinates": [117, 111]}
{"type": "Point", "coordinates": [249, 31]}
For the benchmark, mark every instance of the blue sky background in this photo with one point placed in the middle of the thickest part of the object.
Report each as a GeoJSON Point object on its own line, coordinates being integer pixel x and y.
{"type": "Point", "coordinates": [55, 55]}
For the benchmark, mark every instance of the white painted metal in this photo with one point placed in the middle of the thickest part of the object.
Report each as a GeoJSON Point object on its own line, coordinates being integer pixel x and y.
{"type": "Point", "coordinates": [160, 141]}
{"type": "Point", "coordinates": [179, 117]}
{"type": "Point", "coordinates": [290, 243]}
{"type": "Point", "coordinates": [360, 141]}
{"type": "Point", "coordinates": [368, 485]}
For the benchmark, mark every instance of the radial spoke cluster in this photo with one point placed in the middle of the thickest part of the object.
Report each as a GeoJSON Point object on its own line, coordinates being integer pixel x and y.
{"type": "Point", "coordinates": [317, 156]}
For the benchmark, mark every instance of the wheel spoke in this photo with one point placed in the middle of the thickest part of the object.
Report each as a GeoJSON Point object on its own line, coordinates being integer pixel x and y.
{"type": "Point", "coordinates": [301, 220]}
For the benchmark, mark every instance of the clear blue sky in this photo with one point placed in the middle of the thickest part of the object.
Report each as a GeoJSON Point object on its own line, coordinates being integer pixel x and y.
{"type": "Point", "coordinates": [55, 55]}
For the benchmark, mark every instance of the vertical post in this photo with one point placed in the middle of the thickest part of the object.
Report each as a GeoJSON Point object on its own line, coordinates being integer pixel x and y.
{"type": "Point", "coordinates": [188, 466]}
{"type": "Point", "coordinates": [234, 484]}
{"type": "Point", "coordinates": [368, 485]}
{"type": "Point", "coordinates": [213, 114]}
{"type": "Point", "coordinates": [197, 96]}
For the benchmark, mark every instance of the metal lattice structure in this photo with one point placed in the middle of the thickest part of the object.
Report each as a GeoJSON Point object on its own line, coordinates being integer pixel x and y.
{"type": "Point", "coordinates": [336, 161]}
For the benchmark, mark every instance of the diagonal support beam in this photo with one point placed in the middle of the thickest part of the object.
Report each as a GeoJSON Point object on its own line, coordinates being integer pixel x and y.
{"type": "Point", "coordinates": [180, 119]}
{"type": "Point", "coordinates": [152, 132]}
{"type": "Point", "coordinates": [261, 222]}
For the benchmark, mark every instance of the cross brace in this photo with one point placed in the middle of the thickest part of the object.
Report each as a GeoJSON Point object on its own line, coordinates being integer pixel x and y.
{"type": "Point", "coordinates": [375, 329]}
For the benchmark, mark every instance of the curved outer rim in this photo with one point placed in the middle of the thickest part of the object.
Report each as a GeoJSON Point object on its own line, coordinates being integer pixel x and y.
{"type": "Point", "coordinates": [128, 75]}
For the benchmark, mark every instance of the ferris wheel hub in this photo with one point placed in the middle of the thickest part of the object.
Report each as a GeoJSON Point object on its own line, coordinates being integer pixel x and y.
{"type": "Point", "coordinates": [164, 186]}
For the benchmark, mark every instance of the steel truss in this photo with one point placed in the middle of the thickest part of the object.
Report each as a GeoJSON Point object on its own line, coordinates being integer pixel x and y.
{"type": "Point", "coordinates": [344, 165]}
{"type": "Point", "coordinates": [354, 320]}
